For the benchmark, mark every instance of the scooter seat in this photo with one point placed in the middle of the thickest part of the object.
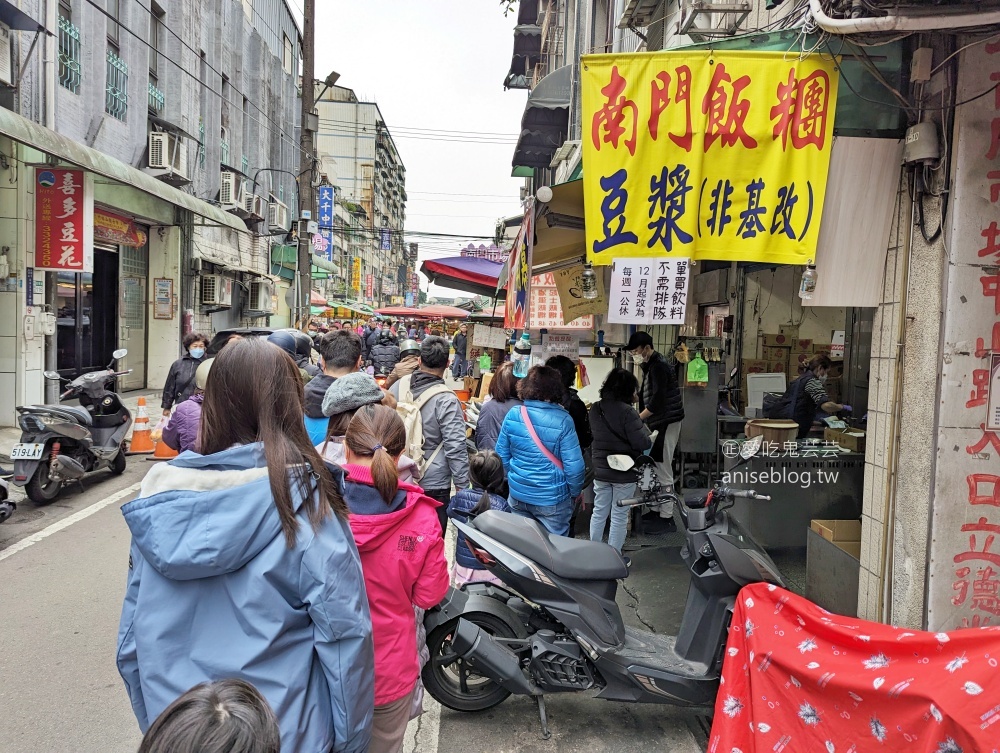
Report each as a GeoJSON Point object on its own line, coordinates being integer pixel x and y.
{"type": "Point", "coordinates": [573, 559]}
{"type": "Point", "coordinates": [71, 412]}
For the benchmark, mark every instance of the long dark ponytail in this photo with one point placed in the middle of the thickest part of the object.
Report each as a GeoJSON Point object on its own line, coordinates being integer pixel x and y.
{"type": "Point", "coordinates": [377, 432]}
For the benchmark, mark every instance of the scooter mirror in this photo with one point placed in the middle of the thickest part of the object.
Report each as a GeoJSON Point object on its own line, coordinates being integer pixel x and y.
{"type": "Point", "coordinates": [50, 374]}
{"type": "Point", "coordinates": [120, 353]}
{"type": "Point", "coordinates": [620, 462]}
{"type": "Point", "coordinates": [751, 447]}
{"type": "Point", "coordinates": [733, 372]}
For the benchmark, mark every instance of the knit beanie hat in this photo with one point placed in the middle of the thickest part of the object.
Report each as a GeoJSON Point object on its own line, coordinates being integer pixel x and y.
{"type": "Point", "coordinates": [350, 392]}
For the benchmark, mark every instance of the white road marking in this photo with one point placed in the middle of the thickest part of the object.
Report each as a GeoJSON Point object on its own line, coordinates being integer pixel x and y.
{"type": "Point", "coordinates": [66, 522]}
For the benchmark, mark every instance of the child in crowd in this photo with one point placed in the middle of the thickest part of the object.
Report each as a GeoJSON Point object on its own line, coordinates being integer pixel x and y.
{"type": "Point", "coordinates": [402, 555]}
{"type": "Point", "coordinates": [226, 716]}
{"type": "Point", "coordinates": [342, 400]}
{"type": "Point", "coordinates": [488, 492]}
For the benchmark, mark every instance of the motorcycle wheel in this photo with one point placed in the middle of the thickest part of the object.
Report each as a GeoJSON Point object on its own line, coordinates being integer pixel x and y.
{"type": "Point", "coordinates": [450, 681]}
{"type": "Point", "coordinates": [117, 465]}
{"type": "Point", "coordinates": [6, 510]}
{"type": "Point", "coordinates": [42, 488]}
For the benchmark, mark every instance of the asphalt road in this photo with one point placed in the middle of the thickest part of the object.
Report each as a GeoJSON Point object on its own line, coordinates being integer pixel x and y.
{"type": "Point", "coordinates": [63, 568]}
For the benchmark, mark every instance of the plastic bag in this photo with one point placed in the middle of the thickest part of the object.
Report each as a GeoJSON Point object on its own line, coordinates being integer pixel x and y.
{"type": "Point", "coordinates": [156, 434]}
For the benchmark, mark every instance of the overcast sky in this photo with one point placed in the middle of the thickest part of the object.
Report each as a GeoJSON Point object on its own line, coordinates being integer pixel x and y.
{"type": "Point", "coordinates": [433, 67]}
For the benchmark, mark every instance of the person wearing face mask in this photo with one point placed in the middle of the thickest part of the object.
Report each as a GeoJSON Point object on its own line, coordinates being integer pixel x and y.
{"type": "Point", "coordinates": [661, 409]}
{"type": "Point", "coordinates": [180, 384]}
{"type": "Point", "coordinates": [809, 395]}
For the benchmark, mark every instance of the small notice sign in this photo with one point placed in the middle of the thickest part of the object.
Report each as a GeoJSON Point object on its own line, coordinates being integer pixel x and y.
{"type": "Point", "coordinates": [649, 290]}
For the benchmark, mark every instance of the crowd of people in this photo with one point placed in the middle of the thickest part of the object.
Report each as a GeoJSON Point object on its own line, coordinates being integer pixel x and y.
{"type": "Point", "coordinates": [280, 565]}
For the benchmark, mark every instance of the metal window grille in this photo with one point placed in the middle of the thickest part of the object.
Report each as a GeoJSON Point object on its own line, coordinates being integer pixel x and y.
{"type": "Point", "coordinates": [69, 55]}
{"type": "Point", "coordinates": [245, 165]}
{"type": "Point", "coordinates": [201, 143]}
{"type": "Point", "coordinates": [281, 194]}
{"type": "Point", "coordinates": [224, 152]}
{"type": "Point", "coordinates": [156, 98]}
{"type": "Point", "coordinates": [116, 90]}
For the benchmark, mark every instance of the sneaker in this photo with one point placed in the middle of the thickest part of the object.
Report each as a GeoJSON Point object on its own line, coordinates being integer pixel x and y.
{"type": "Point", "coordinates": [628, 560]}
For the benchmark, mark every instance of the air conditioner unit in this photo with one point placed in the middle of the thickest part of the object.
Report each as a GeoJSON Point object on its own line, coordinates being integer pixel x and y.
{"type": "Point", "coordinates": [277, 216]}
{"type": "Point", "coordinates": [256, 206]}
{"type": "Point", "coordinates": [168, 154]}
{"type": "Point", "coordinates": [232, 192]}
{"type": "Point", "coordinates": [216, 290]}
{"type": "Point", "coordinates": [261, 297]}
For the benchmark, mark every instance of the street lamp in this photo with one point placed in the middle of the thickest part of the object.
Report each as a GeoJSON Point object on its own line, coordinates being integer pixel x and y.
{"type": "Point", "coordinates": [328, 82]}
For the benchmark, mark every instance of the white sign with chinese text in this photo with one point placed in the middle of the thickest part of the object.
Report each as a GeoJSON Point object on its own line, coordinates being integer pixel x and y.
{"type": "Point", "coordinates": [649, 290]}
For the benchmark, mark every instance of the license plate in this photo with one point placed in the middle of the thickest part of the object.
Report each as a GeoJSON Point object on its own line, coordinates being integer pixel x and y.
{"type": "Point", "coordinates": [27, 452]}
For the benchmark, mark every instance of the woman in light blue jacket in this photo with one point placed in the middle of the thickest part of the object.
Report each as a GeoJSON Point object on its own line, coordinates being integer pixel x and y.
{"type": "Point", "coordinates": [541, 453]}
{"type": "Point", "coordinates": [243, 565]}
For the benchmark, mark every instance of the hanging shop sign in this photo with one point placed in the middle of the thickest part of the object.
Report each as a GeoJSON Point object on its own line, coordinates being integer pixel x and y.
{"type": "Point", "coordinates": [706, 154]}
{"type": "Point", "coordinates": [484, 336]}
{"type": "Point", "coordinates": [64, 220]}
{"type": "Point", "coordinates": [649, 290]}
{"type": "Point", "coordinates": [369, 286]}
{"type": "Point", "coordinates": [546, 310]}
{"type": "Point", "coordinates": [356, 276]}
{"type": "Point", "coordinates": [574, 305]}
{"type": "Point", "coordinates": [112, 227]}
{"type": "Point", "coordinates": [325, 202]}
{"type": "Point", "coordinates": [385, 243]}
{"type": "Point", "coordinates": [516, 312]}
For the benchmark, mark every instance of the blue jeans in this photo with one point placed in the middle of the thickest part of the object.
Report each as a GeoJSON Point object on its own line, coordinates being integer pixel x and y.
{"type": "Point", "coordinates": [553, 518]}
{"type": "Point", "coordinates": [606, 495]}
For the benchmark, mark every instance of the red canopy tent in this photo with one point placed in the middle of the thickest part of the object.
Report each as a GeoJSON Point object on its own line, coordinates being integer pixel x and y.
{"type": "Point", "coordinates": [424, 312]}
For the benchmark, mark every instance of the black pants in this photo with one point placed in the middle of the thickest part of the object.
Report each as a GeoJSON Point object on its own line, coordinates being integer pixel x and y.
{"type": "Point", "coordinates": [444, 497]}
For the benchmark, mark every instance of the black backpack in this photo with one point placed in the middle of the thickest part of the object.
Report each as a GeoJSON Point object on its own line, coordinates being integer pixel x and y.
{"type": "Point", "coordinates": [781, 406]}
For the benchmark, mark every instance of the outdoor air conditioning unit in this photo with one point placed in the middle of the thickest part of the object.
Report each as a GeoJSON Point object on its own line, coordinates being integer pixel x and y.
{"type": "Point", "coordinates": [277, 216]}
{"type": "Point", "coordinates": [261, 297]}
{"type": "Point", "coordinates": [232, 192]}
{"type": "Point", "coordinates": [168, 155]}
{"type": "Point", "coordinates": [216, 290]}
{"type": "Point", "coordinates": [256, 207]}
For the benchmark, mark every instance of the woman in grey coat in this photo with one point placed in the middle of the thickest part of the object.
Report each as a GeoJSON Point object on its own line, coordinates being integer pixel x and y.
{"type": "Point", "coordinates": [503, 397]}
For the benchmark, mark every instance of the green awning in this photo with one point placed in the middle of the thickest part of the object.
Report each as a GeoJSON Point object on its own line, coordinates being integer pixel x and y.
{"type": "Point", "coordinates": [287, 256]}
{"type": "Point", "coordinates": [47, 141]}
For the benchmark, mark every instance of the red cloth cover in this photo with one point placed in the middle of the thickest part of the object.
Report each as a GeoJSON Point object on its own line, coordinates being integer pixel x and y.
{"type": "Point", "coordinates": [798, 679]}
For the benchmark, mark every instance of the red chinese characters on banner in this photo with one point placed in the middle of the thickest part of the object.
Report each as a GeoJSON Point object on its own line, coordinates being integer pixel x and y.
{"type": "Point", "coordinates": [977, 572]}
{"type": "Point", "coordinates": [61, 221]}
{"type": "Point", "coordinates": [619, 116]}
{"type": "Point", "coordinates": [803, 110]}
{"type": "Point", "coordinates": [727, 110]}
{"type": "Point", "coordinates": [660, 100]}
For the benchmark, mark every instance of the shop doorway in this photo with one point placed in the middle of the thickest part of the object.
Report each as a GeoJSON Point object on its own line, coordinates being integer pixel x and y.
{"type": "Point", "coordinates": [87, 316]}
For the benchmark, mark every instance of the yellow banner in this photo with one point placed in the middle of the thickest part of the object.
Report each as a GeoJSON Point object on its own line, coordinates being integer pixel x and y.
{"type": "Point", "coordinates": [709, 155]}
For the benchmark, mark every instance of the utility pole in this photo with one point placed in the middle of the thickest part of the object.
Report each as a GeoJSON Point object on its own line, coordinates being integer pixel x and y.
{"type": "Point", "coordinates": [307, 197]}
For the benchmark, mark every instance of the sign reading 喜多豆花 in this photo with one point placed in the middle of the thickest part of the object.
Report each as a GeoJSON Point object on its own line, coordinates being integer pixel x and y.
{"type": "Point", "coordinates": [707, 155]}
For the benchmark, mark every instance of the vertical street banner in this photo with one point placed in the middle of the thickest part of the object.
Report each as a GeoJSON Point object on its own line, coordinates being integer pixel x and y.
{"type": "Point", "coordinates": [650, 290]}
{"type": "Point", "coordinates": [370, 286]}
{"type": "Point", "coordinates": [706, 154]}
{"type": "Point", "coordinates": [385, 242]}
{"type": "Point", "coordinates": [325, 201]}
{"type": "Point", "coordinates": [516, 314]}
{"type": "Point", "coordinates": [356, 277]}
{"type": "Point", "coordinates": [64, 220]}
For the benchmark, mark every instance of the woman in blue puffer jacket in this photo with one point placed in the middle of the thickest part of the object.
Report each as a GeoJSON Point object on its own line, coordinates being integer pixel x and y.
{"type": "Point", "coordinates": [541, 452]}
{"type": "Point", "coordinates": [243, 565]}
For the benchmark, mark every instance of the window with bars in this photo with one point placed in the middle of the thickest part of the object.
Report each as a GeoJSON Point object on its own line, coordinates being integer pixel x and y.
{"type": "Point", "coordinates": [116, 88]}
{"type": "Point", "coordinates": [156, 39]}
{"type": "Point", "coordinates": [224, 146]}
{"type": "Point", "coordinates": [245, 165]}
{"type": "Point", "coordinates": [69, 50]}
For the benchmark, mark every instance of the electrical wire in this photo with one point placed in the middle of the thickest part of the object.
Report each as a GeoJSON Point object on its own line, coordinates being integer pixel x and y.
{"type": "Point", "coordinates": [941, 65]}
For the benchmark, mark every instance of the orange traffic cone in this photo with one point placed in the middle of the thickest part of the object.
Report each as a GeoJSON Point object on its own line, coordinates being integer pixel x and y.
{"type": "Point", "coordinates": [162, 451]}
{"type": "Point", "coordinates": [142, 442]}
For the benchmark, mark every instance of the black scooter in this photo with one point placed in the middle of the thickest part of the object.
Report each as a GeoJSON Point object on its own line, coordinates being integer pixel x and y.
{"type": "Point", "coordinates": [556, 627]}
{"type": "Point", "coordinates": [61, 443]}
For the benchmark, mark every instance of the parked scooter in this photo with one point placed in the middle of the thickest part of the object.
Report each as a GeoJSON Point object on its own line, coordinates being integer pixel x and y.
{"type": "Point", "coordinates": [556, 628]}
{"type": "Point", "coordinates": [60, 443]}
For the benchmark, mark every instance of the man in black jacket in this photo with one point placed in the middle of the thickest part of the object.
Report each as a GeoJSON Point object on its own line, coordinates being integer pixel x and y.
{"type": "Point", "coordinates": [661, 407]}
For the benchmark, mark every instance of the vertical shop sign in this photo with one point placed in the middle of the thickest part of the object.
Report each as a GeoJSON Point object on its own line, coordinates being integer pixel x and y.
{"type": "Point", "coordinates": [356, 277]}
{"type": "Point", "coordinates": [163, 298]}
{"type": "Point", "coordinates": [325, 204]}
{"type": "Point", "coordinates": [29, 287]}
{"type": "Point", "coordinates": [964, 562]}
{"type": "Point", "coordinates": [707, 154]}
{"type": "Point", "coordinates": [369, 286]}
{"type": "Point", "coordinates": [64, 220]}
{"type": "Point", "coordinates": [516, 314]}
{"type": "Point", "coordinates": [649, 290]}
{"type": "Point", "coordinates": [993, 414]}
{"type": "Point", "coordinates": [385, 243]}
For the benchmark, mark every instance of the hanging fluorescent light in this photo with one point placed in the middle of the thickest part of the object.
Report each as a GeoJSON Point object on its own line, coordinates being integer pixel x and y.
{"type": "Point", "coordinates": [588, 282]}
{"type": "Point", "coordinates": [566, 221]}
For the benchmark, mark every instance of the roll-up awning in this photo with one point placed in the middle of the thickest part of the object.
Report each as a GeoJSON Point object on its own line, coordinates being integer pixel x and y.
{"type": "Point", "coordinates": [546, 119]}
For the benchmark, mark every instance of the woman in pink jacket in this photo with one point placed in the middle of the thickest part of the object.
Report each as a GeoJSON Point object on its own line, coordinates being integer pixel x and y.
{"type": "Point", "coordinates": [402, 555]}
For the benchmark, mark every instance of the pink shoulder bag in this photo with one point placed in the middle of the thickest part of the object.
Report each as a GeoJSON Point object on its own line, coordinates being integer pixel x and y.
{"type": "Point", "coordinates": [538, 442]}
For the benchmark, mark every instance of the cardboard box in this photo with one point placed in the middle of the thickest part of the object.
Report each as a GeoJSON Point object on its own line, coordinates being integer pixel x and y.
{"type": "Point", "coordinates": [846, 438]}
{"type": "Point", "coordinates": [838, 530]}
{"type": "Point", "coordinates": [777, 341]}
{"type": "Point", "coordinates": [776, 367]}
{"type": "Point", "coordinates": [484, 385]}
{"type": "Point", "coordinates": [799, 361]}
{"type": "Point", "coordinates": [754, 366]}
{"type": "Point", "coordinates": [802, 346]}
{"type": "Point", "coordinates": [789, 330]}
{"type": "Point", "coordinates": [775, 354]}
